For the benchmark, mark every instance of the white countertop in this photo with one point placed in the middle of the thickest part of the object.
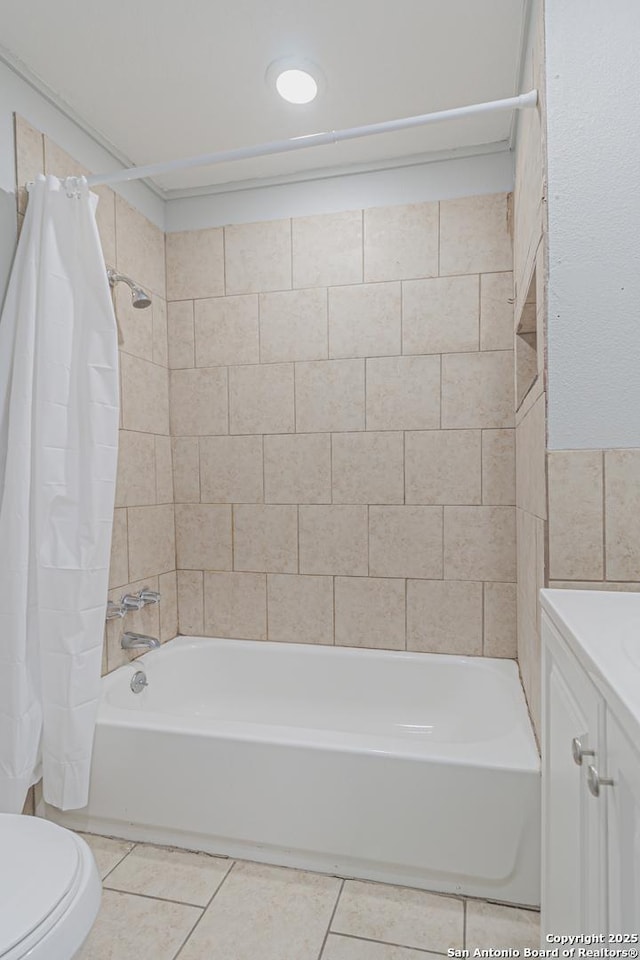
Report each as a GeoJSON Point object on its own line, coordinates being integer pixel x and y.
{"type": "Point", "coordinates": [603, 630]}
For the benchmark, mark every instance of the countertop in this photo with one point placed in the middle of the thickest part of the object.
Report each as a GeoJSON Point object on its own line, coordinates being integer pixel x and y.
{"type": "Point", "coordinates": [602, 629]}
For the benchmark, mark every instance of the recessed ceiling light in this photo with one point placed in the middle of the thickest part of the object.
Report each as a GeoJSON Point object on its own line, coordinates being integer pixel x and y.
{"type": "Point", "coordinates": [296, 86]}
{"type": "Point", "coordinates": [296, 80]}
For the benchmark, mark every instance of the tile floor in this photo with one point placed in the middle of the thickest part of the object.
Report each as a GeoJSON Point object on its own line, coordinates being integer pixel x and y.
{"type": "Point", "coordinates": [165, 904]}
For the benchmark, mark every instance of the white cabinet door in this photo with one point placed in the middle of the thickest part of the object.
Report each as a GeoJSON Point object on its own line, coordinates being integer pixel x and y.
{"type": "Point", "coordinates": [623, 830]}
{"type": "Point", "coordinates": [573, 822]}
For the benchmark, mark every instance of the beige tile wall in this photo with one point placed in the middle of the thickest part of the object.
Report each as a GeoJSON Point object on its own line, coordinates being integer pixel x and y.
{"type": "Point", "coordinates": [143, 544]}
{"type": "Point", "coordinates": [342, 428]}
{"type": "Point", "coordinates": [594, 521]}
{"type": "Point", "coordinates": [529, 250]}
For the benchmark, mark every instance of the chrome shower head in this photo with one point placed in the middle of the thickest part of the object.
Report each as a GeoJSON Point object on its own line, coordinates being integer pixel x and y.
{"type": "Point", "coordinates": [139, 298]}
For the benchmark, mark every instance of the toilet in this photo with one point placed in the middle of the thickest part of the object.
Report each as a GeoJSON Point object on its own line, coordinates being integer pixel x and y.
{"type": "Point", "coordinates": [49, 890]}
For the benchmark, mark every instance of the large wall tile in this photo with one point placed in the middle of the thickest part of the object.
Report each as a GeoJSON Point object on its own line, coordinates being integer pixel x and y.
{"type": "Point", "coordinates": [330, 396]}
{"type": "Point", "coordinates": [258, 256]}
{"type": "Point", "coordinates": [265, 538]}
{"type": "Point", "coordinates": [474, 235]}
{"type": "Point", "coordinates": [403, 393]}
{"type": "Point", "coordinates": [496, 311]}
{"type": "Point", "coordinates": [199, 402]}
{"type": "Point", "coordinates": [477, 389]}
{"type": "Point", "coordinates": [443, 466]}
{"type": "Point", "coordinates": [164, 471]}
{"type": "Point", "coordinates": [334, 540]}
{"type": "Point", "coordinates": [195, 264]}
{"type": "Point", "coordinates": [152, 548]}
{"type": "Point", "coordinates": [203, 536]}
{"type": "Point", "coordinates": [190, 602]}
{"type": "Point", "coordinates": [327, 249]}
{"type": "Point", "coordinates": [145, 396]}
{"type": "Point", "coordinates": [368, 467]}
{"type": "Point", "coordinates": [530, 547]}
{"type": "Point", "coordinates": [226, 331]}
{"type": "Point", "coordinates": [261, 398]}
{"type": "Point", "coordinates": [365, 320]}
{"type": "Point", "coordinates": [300, 608]}
{"type": "Point", "coordinates": [235, 605]}
{"type": "Point", "coordinates": [297, 468]}
{"type": "Point", "coordinates": [168, 588]}
{"type": "Point", "coordinates": [231, 470]}
{"type": "Point", "coordinates": [576, 522]}
{"type": "Point", "coordinates": [622, 516]}
{"type": "Point", "coordinates": [136, 483]}
{"type": "Point", "coordinates": [186, 469]}
{"type": "Point", "coordinates": [440, 315]}
{"type": "Point", "coordinates": [160, 333]}
{"type": "Point", "coordinates": [531, 444]}
{"type": "Point", "coordinates": [140, 249]}
{"type": "Point", "coordinates": [293, 325]}
{"type": "Point", "coordinates": [181, 334]}
{"type": "Point", "coordinates": [370, 612]}
{"type": "Point", "coordinates": [401, 242]}
{"type": "Point", "coordinates": [500, 622]}
{"type": "Point", "coordinates": [479, 543]}
{"type": "Point", "coordinates": [498, 467]}
{"type": "Point", "coordinates": [119, 563]}
{"type": "Point", "coordinates": [444, 616]}
{"type": "Point", "coordinates": [405, 542]}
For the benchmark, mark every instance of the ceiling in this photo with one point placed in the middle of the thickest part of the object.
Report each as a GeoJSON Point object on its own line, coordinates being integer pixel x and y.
{"type": "Point", "coordinates": [161, 79]}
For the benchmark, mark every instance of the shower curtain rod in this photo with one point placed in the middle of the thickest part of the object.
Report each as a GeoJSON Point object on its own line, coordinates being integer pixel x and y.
{"type": "Point", "coordinates": [313, 140]}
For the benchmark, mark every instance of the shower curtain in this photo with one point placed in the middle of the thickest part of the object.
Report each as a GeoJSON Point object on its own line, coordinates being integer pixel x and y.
{"type": "Point", "coordinates": [58, 453]}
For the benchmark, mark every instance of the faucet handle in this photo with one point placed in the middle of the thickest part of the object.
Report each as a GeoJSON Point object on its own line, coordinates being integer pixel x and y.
{"type": "Point", "coordinates": [149, 596]}
{"type": "Point", "coordinates": [132, 601]}
{"type": "Point", "coordinates": [115, 611]}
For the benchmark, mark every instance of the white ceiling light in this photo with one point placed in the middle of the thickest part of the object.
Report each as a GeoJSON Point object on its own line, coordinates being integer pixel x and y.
{"type": "Point", "coordinates": [295, 80]}
{"type": "Point", "coordinates": [296, 86]}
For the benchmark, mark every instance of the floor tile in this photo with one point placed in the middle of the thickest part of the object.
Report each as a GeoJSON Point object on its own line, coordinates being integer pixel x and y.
{"type": "Point", "coordinates": [492, 925]}
{"type": "Point", "coordinates": [265, 912]}
{"type": "Point", "coordinates": [411, 918]}
{"type": "Point", "coordinates": [137, 927]}
{"type": "Point", "coordinates": [170, 874]}
{"type": "Point", "coordinates": [338, 947]}
{"type": "Point", "coordinates": [107, 853]}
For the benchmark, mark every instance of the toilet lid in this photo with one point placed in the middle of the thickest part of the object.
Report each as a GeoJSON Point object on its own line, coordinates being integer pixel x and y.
{"type": "Point", "coordinates": [39, 862]}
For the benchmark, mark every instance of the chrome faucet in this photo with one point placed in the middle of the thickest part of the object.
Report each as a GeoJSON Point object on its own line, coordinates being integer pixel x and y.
{"type": "Point", "coordinates": [134, 641]}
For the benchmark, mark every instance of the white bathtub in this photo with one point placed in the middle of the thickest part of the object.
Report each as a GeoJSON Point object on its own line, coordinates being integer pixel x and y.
{"type": "Point", "coordinates": [409, 768]}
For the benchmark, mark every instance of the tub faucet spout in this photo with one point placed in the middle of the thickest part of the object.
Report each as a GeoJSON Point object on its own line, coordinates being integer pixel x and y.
{"type": "Point", "coordinates": [133, 641]}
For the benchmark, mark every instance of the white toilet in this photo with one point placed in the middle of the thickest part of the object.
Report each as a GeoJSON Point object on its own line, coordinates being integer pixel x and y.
{"type": "Point", "coordinates": [49, 890]}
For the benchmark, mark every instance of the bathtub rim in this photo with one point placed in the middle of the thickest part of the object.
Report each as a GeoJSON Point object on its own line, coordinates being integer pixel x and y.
{"type": "Point", "coordinates": [518, 746]}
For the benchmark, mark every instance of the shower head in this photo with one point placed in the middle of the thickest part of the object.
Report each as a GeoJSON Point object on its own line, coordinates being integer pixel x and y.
{"type": "Point", "coordinates": [139, 298]}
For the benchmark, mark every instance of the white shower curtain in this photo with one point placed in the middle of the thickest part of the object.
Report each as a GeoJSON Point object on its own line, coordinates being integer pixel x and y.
{"type": "Point", "coordinates": [58, 453]}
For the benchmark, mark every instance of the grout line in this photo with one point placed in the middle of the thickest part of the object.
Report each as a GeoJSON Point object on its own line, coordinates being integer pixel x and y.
{"type": "Point", "coordinates": [464, 923]}
{"type": "Point", "coordinates": [333, 913]}
{"type": "Point", "coordinates": [123, 857]}
{"type": "Point", "coordinates": [388, 943]}
{"type": "Point", "coordinates": [212, 898]}
{"type": "Point", "coordinates": [157, 899]}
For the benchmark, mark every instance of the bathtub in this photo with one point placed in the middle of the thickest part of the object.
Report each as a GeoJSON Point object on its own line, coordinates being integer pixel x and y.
{"type": "Point", "coordinates": [409, 768]}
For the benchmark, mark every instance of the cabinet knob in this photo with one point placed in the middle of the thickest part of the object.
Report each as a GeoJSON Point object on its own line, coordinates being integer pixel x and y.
{"type": "Point", "coordinates": [595, 781]}
{"type": "Point", "coordinates": [578, 752]}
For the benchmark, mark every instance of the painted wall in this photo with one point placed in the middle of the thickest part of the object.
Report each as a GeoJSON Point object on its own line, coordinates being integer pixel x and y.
{"type": "Point", "coordinates": [594, 216]}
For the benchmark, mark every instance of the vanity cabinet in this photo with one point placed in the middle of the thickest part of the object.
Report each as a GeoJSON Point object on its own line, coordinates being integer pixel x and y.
{"type": "Point", "coordinates": [591, 799]}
